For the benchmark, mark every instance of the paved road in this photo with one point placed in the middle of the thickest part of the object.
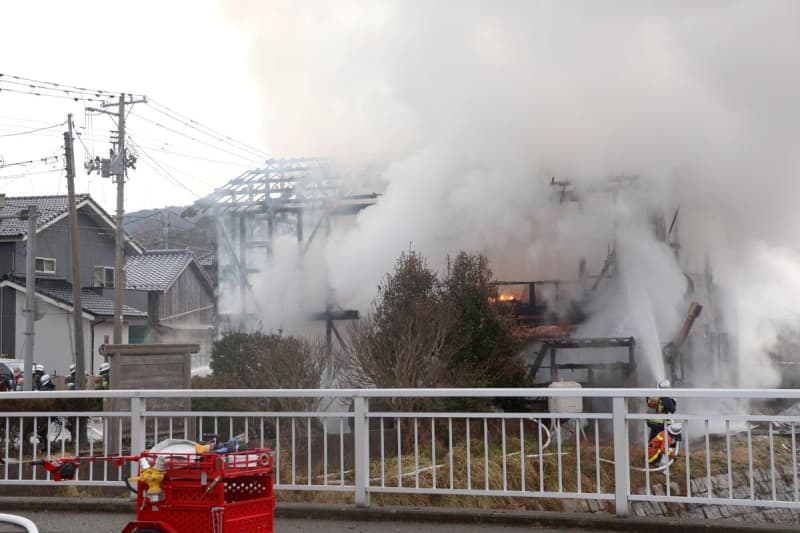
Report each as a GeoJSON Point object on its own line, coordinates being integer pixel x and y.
{"type": "Point", "coordinates": [51, 522]}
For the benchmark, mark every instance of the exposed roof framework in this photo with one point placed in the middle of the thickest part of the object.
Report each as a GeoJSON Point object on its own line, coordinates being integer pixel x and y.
{"type": "Point", "coordinates": [277, 197]}
{"type": "Point", "coordinates": [289, 186]}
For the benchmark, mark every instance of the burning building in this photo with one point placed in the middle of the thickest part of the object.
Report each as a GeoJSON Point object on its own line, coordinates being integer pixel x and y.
{"type": "Point", "coordinates": [586, 327]}
{"type": "Point", "coordinates": [269, 211]}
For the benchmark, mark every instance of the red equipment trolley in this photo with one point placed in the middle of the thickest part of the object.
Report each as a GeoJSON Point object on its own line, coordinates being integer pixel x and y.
{"type": "Point", "coordinates": [205, 492]}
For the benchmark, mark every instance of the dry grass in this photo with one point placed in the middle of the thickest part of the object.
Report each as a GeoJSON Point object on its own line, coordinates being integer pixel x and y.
{"type": "Point", "coordinates": [540, 474]}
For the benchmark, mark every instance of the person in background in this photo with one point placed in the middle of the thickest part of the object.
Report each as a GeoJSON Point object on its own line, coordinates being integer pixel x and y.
{"type": "Point", "coordinates": [46, 384]}
{"type": "Point", "coordinates": [71, 377]}
{"type": "Point", "coordinates": [105, 376]}
{"type": "Point", "coordinates": [38, 372]}
{"type": "Point", "coordinates": [7, 383]}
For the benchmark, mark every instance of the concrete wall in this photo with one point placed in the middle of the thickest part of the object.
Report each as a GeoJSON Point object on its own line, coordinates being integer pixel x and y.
{"type": "Point", "coordinates": [755, 516]}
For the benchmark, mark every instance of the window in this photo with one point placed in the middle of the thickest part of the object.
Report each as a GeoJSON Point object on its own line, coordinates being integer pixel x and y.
{"type": "Point", "coordinates": [45, 265]}
{"type": "Point", "coordinates": [104, 277]}
{"type": "Point", "coordinates": [137, 334]}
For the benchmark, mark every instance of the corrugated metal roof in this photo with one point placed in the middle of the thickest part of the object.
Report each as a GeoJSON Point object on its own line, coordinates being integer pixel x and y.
{"type": "Point", "coordinates": [48, 208]}
{"type": "Point", "coordinates": [156, 270]}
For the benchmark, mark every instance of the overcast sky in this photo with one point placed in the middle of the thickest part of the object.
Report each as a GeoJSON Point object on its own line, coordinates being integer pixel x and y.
{"type": "Point", "coordinates": [183, 53]}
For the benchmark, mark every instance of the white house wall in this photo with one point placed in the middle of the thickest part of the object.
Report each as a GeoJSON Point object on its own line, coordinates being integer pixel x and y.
{"type": "Point", "coordinates": [54, 340]}
{"type": "Point", "coordinates": [52, 332]}
{"type": "Point", "coordinates": [102, 330]}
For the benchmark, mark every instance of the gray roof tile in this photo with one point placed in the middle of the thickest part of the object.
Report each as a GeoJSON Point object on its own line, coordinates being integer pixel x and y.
{"type": "Point", "coordinates": [155, 270]}
{"type": "Point", "coordinates": [48, 207]}
{"type": "Point", "coordinates": [91, 301]}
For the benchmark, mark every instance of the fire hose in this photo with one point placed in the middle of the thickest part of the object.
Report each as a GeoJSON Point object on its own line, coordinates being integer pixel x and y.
{"type": "Point", "coordinates": [610, 461]}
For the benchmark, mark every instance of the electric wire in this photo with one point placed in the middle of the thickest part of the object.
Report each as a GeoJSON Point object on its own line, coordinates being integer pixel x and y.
{"type": "Point", "coordinates": [167, 151]}
{"type": "Point", "coordinates": [46, 159]}
{"type": "Point", "coordinates": [182, 134]}
{"type": "Point", "coordinates": [155, 165]}
{"type": "Point", "coordinates": [36, 86]}
{"type": "Point", "coordinates": [195, 125]}
{"type": "Point", "coordinates": [15, 128]}
{"type": "Point", "coordinates": [188, 175]}
{"type": "Point", "coordinates": [24, 119]}
{"type": "Point", "coordinates": [63, 96]}
{"type": "Point", "coordinates": [34, 130]}
{"type": "Point", "coordinates": [66, 91]}
{"type": "Point", "coordinates": [65, 86]}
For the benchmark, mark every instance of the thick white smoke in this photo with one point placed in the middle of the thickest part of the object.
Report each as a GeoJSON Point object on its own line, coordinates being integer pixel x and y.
{"type": "Point", "coordinates": [473, 105]}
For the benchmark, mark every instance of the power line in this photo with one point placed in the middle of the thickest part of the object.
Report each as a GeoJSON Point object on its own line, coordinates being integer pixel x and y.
{"type": "Point", "coordinates": [155, 165]}
{"type": "Point", "coordinates": [52, 89]}
{"type": "Point", "coordinates": [166, 167]}
{"type": "Point", "coordinates": [64, 96]}
{"type": "Point", "coordinates": [64, 86]}
{"type": "Point", "coordinates": [26, 174]}
{"type": "Point", "coordinates": [193, 156]}
{"type": "Point", "coordinates": [195, 125]}
{"type": "Point", "coordinates": [24, 119]}
{"type": "Point", "coordinates": [46, 159]}
{"type": "Point", "coordinates": [15, 128]}
{"type": "Point", "coordinates": [33, 131]}
{"type": "Point", "coordinates": [182, 134]}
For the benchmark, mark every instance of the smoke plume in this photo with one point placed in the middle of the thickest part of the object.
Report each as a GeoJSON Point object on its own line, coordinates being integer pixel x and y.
{"type": "Point", "coordinates": [472, 106]}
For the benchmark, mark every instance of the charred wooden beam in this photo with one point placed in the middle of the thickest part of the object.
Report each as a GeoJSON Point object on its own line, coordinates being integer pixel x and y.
{"type": "Point", "coordinates": [338, 314]}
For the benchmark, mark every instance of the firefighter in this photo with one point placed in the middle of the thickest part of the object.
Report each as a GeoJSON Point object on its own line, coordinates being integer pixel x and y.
{"type": "Point", "coordinates": [656, 447]}
{"type": "Point", "coordinates": [46, 383]}
{"type": "Point", "coordinates": [105, 376]}
{"type": "Point", "coordinates": [38, 372]}
{"type": "Point", "coordinates": [71, 377]}
{"type": "Point", "coordinates": [662, 405]}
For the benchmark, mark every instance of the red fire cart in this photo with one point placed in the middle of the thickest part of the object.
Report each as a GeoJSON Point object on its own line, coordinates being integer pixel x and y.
{"type": "Point", "coordinates": [205, 492]}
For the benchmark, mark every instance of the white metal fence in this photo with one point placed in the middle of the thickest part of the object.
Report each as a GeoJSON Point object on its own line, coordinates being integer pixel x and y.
{"type": "Point", "coordinates": [446, 442]}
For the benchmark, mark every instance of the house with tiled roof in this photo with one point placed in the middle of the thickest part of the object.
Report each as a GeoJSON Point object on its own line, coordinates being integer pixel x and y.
{"type": "Point", "coordinates": [179, 297]}
{"type": "Point", "coordinates": [177, 286]}
{"type": "Point", "coordinates": [54, 346]}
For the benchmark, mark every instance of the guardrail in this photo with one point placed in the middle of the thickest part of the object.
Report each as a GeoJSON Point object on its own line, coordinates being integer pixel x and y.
{"type": "Point", "coordinates": [369, 441]}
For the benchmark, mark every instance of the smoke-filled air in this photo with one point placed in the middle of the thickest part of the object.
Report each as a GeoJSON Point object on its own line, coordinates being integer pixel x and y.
{"type": "Point", "coordinates": [473, 116]}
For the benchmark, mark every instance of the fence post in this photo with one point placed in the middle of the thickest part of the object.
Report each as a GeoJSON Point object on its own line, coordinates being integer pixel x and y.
{"type": "Point", "coordinates": [361, 442]}
{"type": "Point", "coordinates": [138, 427]}
{"type": "Point", "coordinates": [622, 480]}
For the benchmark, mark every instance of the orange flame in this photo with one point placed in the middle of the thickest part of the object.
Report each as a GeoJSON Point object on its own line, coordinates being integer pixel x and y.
{"type": "Point", "coordinates": [504, 298]}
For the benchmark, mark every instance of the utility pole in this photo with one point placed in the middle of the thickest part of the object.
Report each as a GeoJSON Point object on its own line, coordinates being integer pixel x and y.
{"type": "Point", "coordinates": [77, 307]}
{"type": "Point", "coordinates": [118, 169]}
{"type": "Point", "coordinates": [119, 266]}
{"type": "Point", "coordinates": [30, 294]}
